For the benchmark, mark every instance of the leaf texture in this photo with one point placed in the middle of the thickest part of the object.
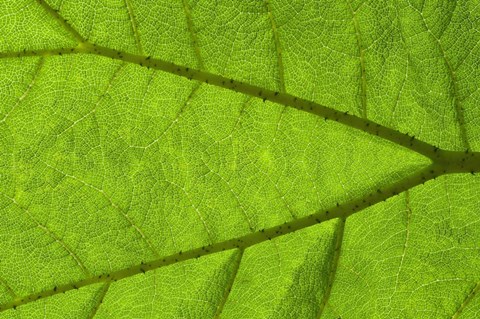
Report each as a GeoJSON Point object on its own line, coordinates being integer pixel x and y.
{"type": "Point", "coordinates": [239, 159]}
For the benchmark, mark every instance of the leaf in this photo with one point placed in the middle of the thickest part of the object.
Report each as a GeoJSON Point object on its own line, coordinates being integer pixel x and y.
{"type": "Point", "coordinates": [236, 159]}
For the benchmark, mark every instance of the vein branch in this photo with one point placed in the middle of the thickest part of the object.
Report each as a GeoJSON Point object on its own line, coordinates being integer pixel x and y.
{"type": "Point", "coordinates": [101, 295]}
{"type": "Point", "coordinates": [63, 22]}
{"type": "Point", "coordinates": [467, 300]}
{"type": "Point", "coordinates": [229, 286]}
{"type": "Point", "coordinates": [408, 217]}
{"type": "Point", "coordinates": [361, 52]}
{"type": "Point", "coordinates": [340, 230]}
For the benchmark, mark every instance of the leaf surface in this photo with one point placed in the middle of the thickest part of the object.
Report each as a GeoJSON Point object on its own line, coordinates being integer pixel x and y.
{"type": "Point", "coordinates": [239, 159]}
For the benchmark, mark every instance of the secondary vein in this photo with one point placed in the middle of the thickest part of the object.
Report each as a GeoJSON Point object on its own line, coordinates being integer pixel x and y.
{"type": "Point", "coordinates": [62, 21]}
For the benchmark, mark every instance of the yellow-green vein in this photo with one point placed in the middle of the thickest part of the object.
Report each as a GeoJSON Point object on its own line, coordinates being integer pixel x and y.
{"type": "Point", "coordinates": [228, 288]}
{"type": "Point", "coordinates": [340, 230]}
{"type": "Point", "coordinates": [62, 21]}
{"type": "Point", "coordinates": [133, 22]}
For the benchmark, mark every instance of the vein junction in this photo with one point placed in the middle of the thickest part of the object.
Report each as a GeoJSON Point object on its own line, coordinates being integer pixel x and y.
{"type": "Point", "coordinates": [443, 162]}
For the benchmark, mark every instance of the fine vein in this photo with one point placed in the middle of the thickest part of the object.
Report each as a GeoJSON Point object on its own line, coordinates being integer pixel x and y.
{"type": "Point", "coordinates": [278, 48]}
{"type": "Point", "coordinates": [363, 78]}
{"type": "Point", "coordinates": [454, 88]}
{"type": "Point", "coordinates": [36, 72]}
{"type": "Point", "coordinates": [193, 36]}
{"type": "Point", "coordinates": [101, 295]}
{"type": "Point", "coordinates": [229, 286]}
{"type": "Point", "coordinates": [112, 203]}
{"type": "Point", "coordinates": [97, 103]}
{"type": "Point", "coordinates": [8, 288]}
{"type": "Point", "coordinates": [467, 300]}
{"type": "Point", "coordinates": [334, 264]}
{"type": "Point", "coordinates": [51, 234]}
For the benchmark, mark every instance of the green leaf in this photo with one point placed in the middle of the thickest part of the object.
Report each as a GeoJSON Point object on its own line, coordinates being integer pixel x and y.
{"type": "Point", "coordinates": [239, 159]}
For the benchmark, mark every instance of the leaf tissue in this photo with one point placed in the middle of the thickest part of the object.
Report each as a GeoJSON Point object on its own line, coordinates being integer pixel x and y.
{"type": "Point", "coordinates": [239, 159]}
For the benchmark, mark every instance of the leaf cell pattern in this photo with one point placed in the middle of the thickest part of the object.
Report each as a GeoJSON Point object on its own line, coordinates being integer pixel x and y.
{"type": "Point", "coordinates": [239, 159]}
